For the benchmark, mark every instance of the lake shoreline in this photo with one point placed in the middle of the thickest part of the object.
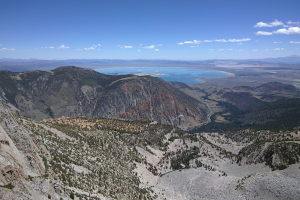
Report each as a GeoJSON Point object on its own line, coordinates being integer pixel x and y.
{"type": "Point", "coordinates": [173, 74]}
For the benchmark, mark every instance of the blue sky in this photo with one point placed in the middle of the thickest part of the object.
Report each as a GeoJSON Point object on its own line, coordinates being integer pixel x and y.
{"type": "Point", "coordinates": [149, 29]}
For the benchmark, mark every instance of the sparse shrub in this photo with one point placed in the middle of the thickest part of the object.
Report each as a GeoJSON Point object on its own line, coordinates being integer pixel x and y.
{"type": "Point", "coordinates": [72, 196]}
{"type": "Point", "coordinates": [8, 186]}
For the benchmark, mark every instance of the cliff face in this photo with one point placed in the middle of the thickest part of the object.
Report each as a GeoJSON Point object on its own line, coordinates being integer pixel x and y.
{"type": "Point", "coordinates": [20, 159]}
{"type": "Point", "coordinates": [73, 92]}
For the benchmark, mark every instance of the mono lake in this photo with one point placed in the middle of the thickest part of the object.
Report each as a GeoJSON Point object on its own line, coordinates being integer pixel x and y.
{"type": "Point", "coordinates": [180, 74]}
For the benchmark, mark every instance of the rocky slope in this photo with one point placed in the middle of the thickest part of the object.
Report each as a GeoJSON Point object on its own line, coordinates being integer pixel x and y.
{"type": "Point", "coordinates": [208, 166]}
{"type": "Point", "coordinates": [71, 158]}
{"type": "Point", "coordinates": [73, 92]}
{"type": "Point", "coordinates": [81, 158]}
{"type": "Point", "coordinates": [22, 169]}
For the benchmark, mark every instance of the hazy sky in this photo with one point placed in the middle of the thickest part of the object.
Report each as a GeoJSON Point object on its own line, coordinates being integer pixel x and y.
{"type": "Point", "coordinates": [149, 29]}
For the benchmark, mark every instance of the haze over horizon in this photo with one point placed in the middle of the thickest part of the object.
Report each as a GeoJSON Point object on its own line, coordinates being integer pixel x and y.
{"type": "Point", "coordinates": [176, 30]}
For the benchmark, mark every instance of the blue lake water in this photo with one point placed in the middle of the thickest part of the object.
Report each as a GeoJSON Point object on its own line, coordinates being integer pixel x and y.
{"type": "Point", "coordinates": [180, 74]}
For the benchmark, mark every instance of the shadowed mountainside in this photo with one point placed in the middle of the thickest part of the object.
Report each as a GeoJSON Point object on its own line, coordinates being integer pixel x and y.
{"type": "Point", "coordinates": [272, 105]}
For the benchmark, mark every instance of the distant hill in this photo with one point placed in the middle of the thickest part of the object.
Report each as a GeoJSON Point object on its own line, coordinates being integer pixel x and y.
{"type": "Point", "coordinates": [74, 92]}
{"type": "Point", "coordinates": [287, 59]}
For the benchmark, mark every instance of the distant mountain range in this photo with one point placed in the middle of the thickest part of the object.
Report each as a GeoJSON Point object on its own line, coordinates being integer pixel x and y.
{"type": "Point", "coordinates": [20, 65]}
{"type": "Point", "coordinates": [289, 59]}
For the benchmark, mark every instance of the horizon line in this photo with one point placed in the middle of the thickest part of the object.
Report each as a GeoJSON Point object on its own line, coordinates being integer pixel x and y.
{"type": "Point", "coordinates": [145, 59]}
